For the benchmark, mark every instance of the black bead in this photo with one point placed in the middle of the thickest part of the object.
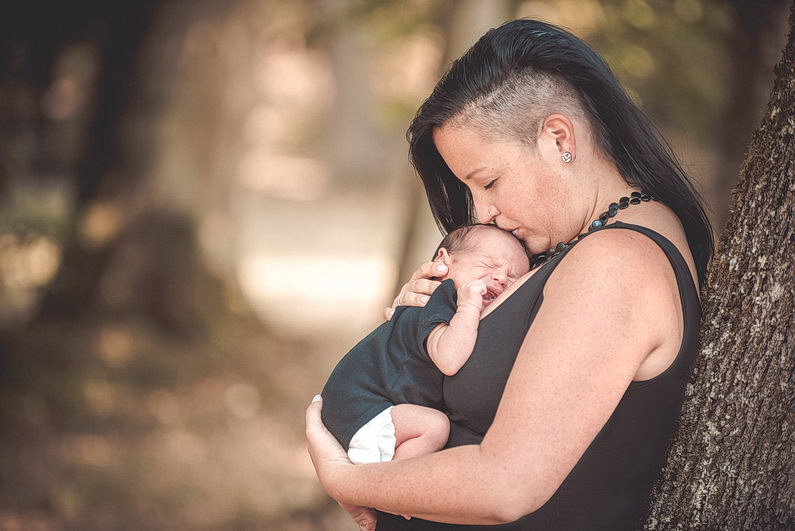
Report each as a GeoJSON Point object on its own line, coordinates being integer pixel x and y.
{"type": "Point", "coordinates": [612, 210]}
{"type": "Point", "coordinates": [560, 246]}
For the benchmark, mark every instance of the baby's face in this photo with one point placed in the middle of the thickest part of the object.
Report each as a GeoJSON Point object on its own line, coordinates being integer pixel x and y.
{"type": "Point", "coordinates": [496, 259]}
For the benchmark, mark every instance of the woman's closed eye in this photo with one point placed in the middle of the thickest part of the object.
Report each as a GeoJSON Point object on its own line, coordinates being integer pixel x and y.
{"type": "Point", "coordinates": [489, 185]}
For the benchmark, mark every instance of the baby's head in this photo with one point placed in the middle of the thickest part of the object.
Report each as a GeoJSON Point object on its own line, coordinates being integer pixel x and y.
{"type": "Point", "coordinates": [483, 252]}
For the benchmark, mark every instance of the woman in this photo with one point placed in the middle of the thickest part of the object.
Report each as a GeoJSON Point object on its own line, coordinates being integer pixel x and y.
{"type": "Point", "coordinates": [562, 416]}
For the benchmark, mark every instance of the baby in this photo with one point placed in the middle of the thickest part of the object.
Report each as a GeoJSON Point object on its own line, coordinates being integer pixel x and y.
{"type": "Point", "coordinates": [383, 399]}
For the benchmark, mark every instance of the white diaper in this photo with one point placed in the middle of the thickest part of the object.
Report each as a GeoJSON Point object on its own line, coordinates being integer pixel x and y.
{"type": "Point", "coordinates": [375, 441]}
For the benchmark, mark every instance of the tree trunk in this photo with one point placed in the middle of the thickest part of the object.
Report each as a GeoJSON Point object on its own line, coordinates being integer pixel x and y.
{"type": "Point", "coordinates": [732, 465]}
{"type": "Point", "coordinates": [121, 34]}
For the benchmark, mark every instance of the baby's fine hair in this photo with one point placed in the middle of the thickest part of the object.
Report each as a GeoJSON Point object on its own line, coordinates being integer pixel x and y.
{"type": "Point", "coordinates": [460, 239]}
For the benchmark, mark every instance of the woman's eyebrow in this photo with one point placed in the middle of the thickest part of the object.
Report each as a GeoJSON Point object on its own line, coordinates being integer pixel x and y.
{"type": "Point", "coordinates": [473, 172]}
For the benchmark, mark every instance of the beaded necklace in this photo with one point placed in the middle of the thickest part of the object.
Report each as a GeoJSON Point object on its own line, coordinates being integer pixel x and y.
{"type": "Point", "coordinates": [633, 199]}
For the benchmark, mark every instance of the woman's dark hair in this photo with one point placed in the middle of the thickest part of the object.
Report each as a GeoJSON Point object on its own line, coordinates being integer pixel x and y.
{"type": "Point", "coordinates": [512, 78]}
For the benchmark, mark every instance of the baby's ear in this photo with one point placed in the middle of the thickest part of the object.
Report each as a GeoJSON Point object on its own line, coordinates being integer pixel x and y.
{"type": "Point", "coordinates": [443, 257]}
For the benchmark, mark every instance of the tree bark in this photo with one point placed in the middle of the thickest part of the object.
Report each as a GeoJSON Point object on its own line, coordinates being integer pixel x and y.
{"type": "Point", "coordinates": [731, 464]}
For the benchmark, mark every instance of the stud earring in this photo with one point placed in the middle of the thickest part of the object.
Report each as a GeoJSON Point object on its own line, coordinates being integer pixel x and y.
{"type": "Point", "coordinates": [567, 157]}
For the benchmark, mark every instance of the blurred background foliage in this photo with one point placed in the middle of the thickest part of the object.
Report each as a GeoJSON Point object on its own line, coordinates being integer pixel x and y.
{"type": "Point", "coordinates": [204, 204]}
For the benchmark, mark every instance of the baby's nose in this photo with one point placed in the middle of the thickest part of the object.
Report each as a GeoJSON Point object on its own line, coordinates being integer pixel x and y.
{"type": "Point", "coordinates": [500, 275]}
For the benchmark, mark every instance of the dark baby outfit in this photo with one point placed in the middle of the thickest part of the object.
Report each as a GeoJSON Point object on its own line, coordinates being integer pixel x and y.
{"type": "Point", "coordinates": [390, 366]}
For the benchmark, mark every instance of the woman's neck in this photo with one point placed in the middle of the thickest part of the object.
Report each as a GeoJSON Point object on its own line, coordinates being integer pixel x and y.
{"type": "Point", "coordinates": [609, 187]}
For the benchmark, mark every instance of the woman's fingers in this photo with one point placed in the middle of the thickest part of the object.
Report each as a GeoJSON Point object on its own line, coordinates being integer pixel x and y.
{"type": "Point", "coordinates": [321, 441]}
{"type": "Point", "coordinates": [408, 297]}
{"type": "Point", "coordinates": [313, 416]}
{"type": "Point", "coordinates": [364, 517]}
{"type": "Point", "coordinates": [416, 292]}
{"type": "Point", "coordinates": [418, 289]}
{"type": "Point", "coordinates": [430, 270]}
{"type": "Point", "coordinates": [324, 450]}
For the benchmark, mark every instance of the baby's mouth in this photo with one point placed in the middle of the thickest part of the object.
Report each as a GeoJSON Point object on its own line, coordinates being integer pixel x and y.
{"type": "Point", "coordinates": [491, 294]}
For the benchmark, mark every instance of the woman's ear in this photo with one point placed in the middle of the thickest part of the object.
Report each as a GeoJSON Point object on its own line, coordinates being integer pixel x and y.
{"type": "Point", "coordinates": [556, 138]}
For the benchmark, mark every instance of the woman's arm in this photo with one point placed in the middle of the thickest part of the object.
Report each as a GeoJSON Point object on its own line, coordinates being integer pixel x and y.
{"type": "Point", "coordinates": [344, 481]}
{"type": "Point", "coordinates": [609, 303]}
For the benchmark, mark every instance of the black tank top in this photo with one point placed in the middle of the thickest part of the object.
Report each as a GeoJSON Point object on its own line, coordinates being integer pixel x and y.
{"type": "Point", "coordinates": [610, 485]}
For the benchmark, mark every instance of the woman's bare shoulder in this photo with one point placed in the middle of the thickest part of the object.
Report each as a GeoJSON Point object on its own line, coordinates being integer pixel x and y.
{"type": "Point", "coordinates": [613, 254]}
{"type": "Point", "coordinates": [626, 268]}
{"type": "Point", "coordinates": [662, 220]}
{"type": "Point", "coordinates": [631, 273]}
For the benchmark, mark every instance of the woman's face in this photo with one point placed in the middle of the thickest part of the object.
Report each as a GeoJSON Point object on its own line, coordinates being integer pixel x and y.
{"type": "Point", "coordinates": [517, 186]}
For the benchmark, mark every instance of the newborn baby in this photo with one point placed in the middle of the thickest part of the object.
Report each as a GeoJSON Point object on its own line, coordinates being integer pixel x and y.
{"type": "Point", "coordinates": [383, 399]}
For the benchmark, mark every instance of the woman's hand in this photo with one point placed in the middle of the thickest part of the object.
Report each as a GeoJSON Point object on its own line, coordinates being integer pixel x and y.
{"type": "Point", "coordinates": [418, 289]}
{"type": "Point", "coordinates": [327, 457]}
{"type": "Point", "coordinates": [326, 453]}
{"type": "Point", "coordinates": [365, 518]}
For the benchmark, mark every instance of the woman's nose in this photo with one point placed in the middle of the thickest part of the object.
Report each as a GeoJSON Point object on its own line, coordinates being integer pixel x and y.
{"type": "Point", "coordinates": [486, 213]}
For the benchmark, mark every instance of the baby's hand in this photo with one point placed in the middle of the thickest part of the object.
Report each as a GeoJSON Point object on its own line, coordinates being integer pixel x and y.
{"type": "Point", "coordinates": [471, 294]}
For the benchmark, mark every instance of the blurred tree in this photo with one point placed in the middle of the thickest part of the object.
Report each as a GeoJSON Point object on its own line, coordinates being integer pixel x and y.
{"type": "Point", "coordinates": [34, 39]}
{"type": "Point", "coordinates": [138, 357]}
{"type": "Point", "coordinates": [731, 465]}
{"type": "Point", "coordinates": [754, 46]}
{"type": "Point", "coordinates": [121, 235]}
{"type": "Point", "coordinates": [468, 21]}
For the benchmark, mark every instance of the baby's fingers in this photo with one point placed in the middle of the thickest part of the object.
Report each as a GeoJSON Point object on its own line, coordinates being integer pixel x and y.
{"type": "Point", "coordinates": [477, 286]}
